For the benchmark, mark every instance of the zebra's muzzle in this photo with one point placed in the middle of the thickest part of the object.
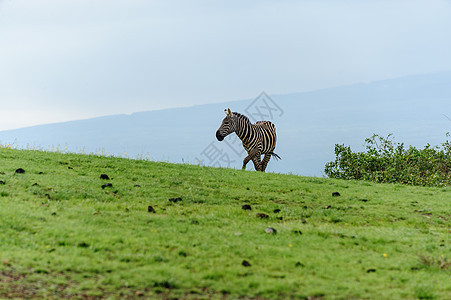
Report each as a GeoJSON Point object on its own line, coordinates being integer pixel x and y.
{"type": "Point", "coordinates": [219, 136]}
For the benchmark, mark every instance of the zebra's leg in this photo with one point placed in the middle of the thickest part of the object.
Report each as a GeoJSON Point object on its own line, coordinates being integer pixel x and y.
{"type": "Point", "coordinates": [265, 161]}
{"type": "Point", "coordinates": [257, 163]}
{"type": "Point", "coordinates": [251, 156]}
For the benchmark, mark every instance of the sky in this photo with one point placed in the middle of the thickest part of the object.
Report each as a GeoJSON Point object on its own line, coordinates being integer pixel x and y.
{"type": "Point", "coordinates": [77, 59]}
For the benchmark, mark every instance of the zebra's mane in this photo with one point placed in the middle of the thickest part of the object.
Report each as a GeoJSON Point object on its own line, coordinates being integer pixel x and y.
{"type": "Point", "coordinates": [241, 116]}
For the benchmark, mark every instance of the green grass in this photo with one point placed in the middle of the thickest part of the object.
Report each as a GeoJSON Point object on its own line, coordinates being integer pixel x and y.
{"type": "Point", "coordinates": [62, 235]}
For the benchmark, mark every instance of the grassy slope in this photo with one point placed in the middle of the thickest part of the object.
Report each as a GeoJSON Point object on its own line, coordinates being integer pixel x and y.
{"type": "Point", "coordinates": [63, 235]}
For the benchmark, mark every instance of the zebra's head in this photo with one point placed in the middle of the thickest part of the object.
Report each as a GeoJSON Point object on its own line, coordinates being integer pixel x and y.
{"type": "Point", "coordinates": [227, 126]}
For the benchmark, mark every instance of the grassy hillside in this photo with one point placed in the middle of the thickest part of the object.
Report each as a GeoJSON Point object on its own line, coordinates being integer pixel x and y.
{"type": "Point", "coordinates": [63, 235]}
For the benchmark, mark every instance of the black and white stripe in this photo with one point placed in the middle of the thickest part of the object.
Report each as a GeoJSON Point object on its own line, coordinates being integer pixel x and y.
{"type": "Point", "coordinates": [258, 139]}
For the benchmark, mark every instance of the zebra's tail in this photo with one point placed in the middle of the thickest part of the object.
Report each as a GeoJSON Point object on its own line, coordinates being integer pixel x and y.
{"type": "Point", "coordinates": [277, 157]}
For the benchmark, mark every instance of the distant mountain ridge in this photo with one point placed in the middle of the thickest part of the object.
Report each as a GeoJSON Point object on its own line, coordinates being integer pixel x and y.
{"type": "Point", "coordinates": [308, 124]}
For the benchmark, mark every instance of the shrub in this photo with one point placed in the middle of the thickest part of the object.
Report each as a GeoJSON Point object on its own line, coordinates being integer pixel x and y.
{"type": "Point", "coordinates": [387, 161]}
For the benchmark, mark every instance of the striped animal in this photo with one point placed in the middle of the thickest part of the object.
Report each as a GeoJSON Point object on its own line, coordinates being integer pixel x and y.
{"type": "Point", "coordinates": [258, 138]}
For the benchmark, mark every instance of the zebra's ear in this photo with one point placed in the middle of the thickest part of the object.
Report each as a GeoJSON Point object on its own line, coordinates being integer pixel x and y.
{"type": "Point", "coordinates": [228, 112]}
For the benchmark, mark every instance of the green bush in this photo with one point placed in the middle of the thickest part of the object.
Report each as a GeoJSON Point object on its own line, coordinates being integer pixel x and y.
{"type": "Point", "coordinates": [387, 161]}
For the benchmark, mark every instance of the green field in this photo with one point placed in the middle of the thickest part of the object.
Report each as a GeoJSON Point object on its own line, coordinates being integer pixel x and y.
{"type": "Point", "coordinates": [62, 235]}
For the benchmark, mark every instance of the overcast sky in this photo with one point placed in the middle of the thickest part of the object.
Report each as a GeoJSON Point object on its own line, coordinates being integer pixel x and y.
{"type": "Point", "coordinates": [73, 59]}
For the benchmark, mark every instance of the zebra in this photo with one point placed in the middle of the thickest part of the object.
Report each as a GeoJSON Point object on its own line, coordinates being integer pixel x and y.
{"type": "Point", "coordinates": [258, 138]}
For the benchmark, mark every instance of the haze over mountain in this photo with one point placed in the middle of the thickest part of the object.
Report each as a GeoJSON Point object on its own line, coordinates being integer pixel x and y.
{"type": "Point", "coordinates": [414, 108]}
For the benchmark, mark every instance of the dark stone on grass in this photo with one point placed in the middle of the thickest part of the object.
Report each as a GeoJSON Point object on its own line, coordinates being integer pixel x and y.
{"type": "Point", "coordinates": [245, 263]}
{"type": "Point", "coordinates": [270, 230]}
{"type": "Point", "coordinates": [165, 284]}
{"type": "Point", "coordinates": [107, 185]}
{"type": "Point", "coordinates": [371, 270]}
{"type": "Point", "coordinates": [20, 171]}
{"type": "Point", "coordinates": [35, 184]}
{"type": "Point", "coordinates": [83, 245]}
{"type": "Point", "coordinates": [262, 216]}
{"type": "Point", "coordinates": [40, 173]}
{"type": "Point", "coordinates": [137, 185]}
{"type": "Point", "coordinates": [276, 211]}
{"type": "Point", "coordinates": [364, 200]}
{"type": "Point", "coordinates": [299, 264]}
{"type": "Point", "coordinates": [151, 209]}
{"type": "Point", "coordinates": [53, 213]}
{"type": "Point", "coordinates": [175, 200]}
{"type": "Point", "coordinates": [104, 176]}
{"type": "Point", "coordinates": [246, 207]}
{"type": "Point", "coordinates": [335, 194]}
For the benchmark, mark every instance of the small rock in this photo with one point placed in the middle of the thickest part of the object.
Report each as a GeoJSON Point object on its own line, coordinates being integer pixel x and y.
{"type": "Point", "coordinates": [299, 264]}
{"type": "Point", "coordinates": [371, 270]}
{"type": "Point", "coordinates": [40, 173]}
{"type": "Point", "coordinates": [270, 230]}
{"type": "Point", "coordinates": [20, 171]}
{"type": "Point", "coordinates": [364, 200]}
{"type": "Point", "coordinates": [246, 207]}
{"type": "Point", "coordinates": [175, 200]}
{"type": "Point", "coordinates": [83, 245]}
{"type": "Point", "coordinates": [151, 209]}
{"type": "Point", "coordinates": [104, 176]}
{"type": "Point", "coordinates": [276, 211]}
{"type": "Point", "coordinates": [53, 213]}
{"type": "Point", "coordinates": [335, 194]}
{"type": "Point", "coordinates": [139, 293]}
{"type": "Point", "coordinates": [262, 216]}
{"type": "Point", "coordinates": [107, 185]}
{"type": "Point", "coordinates": [246, 263]}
